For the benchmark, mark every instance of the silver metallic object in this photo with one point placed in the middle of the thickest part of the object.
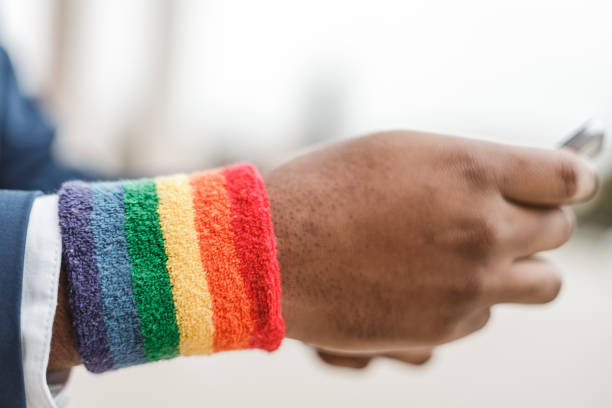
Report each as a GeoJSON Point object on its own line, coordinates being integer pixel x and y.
{"type": "Point", "coordinates": [588, 139]}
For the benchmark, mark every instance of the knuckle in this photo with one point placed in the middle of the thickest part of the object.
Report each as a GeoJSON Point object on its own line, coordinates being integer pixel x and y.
{"type": "Point", "coordinates": [566, 173]}
{"type": "Point", "coordinates": [462, 293]}
{"type": "Point", "coordinates": [482, 234]}
{"type": "Point", "coordinates": [471, 168]}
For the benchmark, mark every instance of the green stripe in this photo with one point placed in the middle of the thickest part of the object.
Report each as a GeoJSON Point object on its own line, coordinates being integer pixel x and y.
{"type": "Point", "coordinates": [150, 280]}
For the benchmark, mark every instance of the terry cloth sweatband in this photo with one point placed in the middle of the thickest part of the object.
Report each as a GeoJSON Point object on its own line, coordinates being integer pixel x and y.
{"type": "Point", "coordinates": [177, 265]}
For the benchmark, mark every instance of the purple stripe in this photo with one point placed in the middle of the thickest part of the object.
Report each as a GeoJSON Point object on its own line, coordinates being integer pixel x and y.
{"type": "Point", "coordinates": [75, 207]}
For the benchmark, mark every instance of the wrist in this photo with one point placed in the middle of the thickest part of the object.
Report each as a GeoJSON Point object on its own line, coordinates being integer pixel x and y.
{"type": "Point", "coordinates": [170, 266]}
{"type": "Point", "coordinates": [289, 243]}
{"type": "Point", "coordinates": [64, 353]}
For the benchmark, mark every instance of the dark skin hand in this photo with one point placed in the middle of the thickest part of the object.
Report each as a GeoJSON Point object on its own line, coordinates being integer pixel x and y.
{"type": "Point", "coordinates": [394, 243]}
{"type": "Point", "coordinates": [64, 354]}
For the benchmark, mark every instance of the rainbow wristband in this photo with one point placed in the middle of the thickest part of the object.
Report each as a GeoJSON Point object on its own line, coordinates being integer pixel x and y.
{"type": "Point", "coordinates": [170, 266]}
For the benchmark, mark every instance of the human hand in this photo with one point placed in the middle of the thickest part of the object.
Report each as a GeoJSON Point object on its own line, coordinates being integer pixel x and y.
{"type": "Point", "coordinates": [405, 239]}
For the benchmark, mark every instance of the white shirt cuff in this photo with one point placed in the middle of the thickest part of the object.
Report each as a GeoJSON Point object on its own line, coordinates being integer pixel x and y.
{"type": "Point", "coordinates": [41, 270]}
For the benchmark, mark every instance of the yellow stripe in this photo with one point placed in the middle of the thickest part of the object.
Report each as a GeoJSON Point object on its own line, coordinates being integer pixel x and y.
{"type": "Point", "coordinates": [190, 291]}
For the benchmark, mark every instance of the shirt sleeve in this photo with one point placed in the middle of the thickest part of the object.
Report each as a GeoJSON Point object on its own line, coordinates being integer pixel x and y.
{"type": "Point", "coordinates": [41, 270]}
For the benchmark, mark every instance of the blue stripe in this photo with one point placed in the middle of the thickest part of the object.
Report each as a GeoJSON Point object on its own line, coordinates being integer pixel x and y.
{"type": "Point", "coordinates": [114, 271]}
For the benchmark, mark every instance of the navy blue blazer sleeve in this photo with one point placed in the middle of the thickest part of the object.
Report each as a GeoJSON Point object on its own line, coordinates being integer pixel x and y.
{"type": "Point", "coordinates": [14, 213]}
{"type": "Point", "coordinates": [26, 160]}
{"type": "Point", "coordinates": [26, 163]}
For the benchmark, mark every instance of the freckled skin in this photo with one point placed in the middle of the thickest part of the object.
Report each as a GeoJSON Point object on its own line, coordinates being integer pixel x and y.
{"type": "Point", "coordinates": [394, 243]}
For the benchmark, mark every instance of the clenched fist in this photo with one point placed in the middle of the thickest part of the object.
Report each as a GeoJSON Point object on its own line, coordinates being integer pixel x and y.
{"type": "Point", "coordinates": [394, 243]}
{"type": "Point", "coordinates": [401, 240]}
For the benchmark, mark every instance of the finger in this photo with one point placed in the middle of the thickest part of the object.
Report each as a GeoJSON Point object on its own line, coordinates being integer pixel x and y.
{"type": "Point", "coordinates": [356, 362]}
{"type": "Point", "coordinates": [471, 324]}
{"type": "Point", "coordinates": [527, 281]}
{"type": "Point", "coordinates": [413, 356]}
{"type": "Point", "coordinates": [546, 177]}
{"type": "Point", "coordinates": [536, 229]}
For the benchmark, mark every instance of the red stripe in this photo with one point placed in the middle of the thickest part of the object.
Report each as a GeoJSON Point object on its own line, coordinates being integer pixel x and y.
{"type": "Point", "coordinates": [256, 250]}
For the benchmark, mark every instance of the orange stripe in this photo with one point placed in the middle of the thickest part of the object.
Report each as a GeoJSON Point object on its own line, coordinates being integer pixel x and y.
{"type": "Point", "coordinates": [231, 305]}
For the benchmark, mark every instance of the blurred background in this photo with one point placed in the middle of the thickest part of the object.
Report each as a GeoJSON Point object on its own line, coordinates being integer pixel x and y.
{"type": "Point", "coordinates": [146, 87]}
